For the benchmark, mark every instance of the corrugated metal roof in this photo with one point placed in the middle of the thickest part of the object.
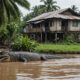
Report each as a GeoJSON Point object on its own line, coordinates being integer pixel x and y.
{"type": "Point", "coordinates": [55, 14]}
{"type": "Point", "coordinates": [38, 21]}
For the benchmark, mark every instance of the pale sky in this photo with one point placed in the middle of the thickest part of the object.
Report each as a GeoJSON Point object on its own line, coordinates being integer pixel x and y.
{"type": "Point", "coordinates": [61, 3]}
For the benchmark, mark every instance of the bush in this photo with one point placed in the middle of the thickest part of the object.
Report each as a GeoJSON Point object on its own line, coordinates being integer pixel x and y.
{"type": "Point", "coordinates": [23, 43]}
{"type": "Point", "coordinates": [8, 33]}
{"type": "Point", "coordinates": [3, 35]}
{"type": "Point", "coordinates": [70, 39]}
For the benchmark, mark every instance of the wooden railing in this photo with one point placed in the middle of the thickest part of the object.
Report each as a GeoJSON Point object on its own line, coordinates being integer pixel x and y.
{"type": "Point", "coordinates": [38, 29]}
{"type": "Point", "coordinates": [35, 30]}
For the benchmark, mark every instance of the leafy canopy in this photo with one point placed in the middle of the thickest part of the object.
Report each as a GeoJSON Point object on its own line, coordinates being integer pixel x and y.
{"type": "Point", "coordinates": [9, 10]}
{"type": "Point", "coordinates": [50, 5]}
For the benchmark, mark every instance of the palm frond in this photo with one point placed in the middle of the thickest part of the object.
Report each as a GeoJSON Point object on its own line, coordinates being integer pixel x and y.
{"type": "Point", "coordinates": [23, 3]}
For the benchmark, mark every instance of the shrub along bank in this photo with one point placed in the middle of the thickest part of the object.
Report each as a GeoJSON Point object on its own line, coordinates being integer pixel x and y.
{"type": "Point", "coordinates": [23, 43]}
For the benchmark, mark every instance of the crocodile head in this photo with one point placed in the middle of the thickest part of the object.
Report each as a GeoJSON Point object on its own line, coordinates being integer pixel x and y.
{"type": "Point", "coordinates": [4, 56]}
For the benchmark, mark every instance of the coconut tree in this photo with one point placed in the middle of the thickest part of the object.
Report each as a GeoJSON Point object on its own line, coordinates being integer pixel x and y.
{"type": "Point", "coordinates": [50, 5]}
{"type": "Point", "coordinates": [9, 10]}
{"type": "Point", "coordinates": [74, 8]}
{"type": "Point", "coordinates": [37, 10]}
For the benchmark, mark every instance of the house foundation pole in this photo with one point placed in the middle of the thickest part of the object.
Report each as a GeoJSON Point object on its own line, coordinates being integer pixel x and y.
{"type": "Point", "coordinates": [63, 36]}
{"type": "Point", "coordinates": [30, 35]}
{"type": "Point", "coordinates": [56, 37]}
{"type": "Point", "coordinates": [41, 37]}
{"type": "Point", "coordinates": [45, 37]}
{"type": "Point", "coordinates": [34, 36]}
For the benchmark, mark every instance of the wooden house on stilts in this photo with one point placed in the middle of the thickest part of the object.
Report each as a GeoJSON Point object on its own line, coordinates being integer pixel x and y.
{"type": "Point", "coordinates": [52, 26]}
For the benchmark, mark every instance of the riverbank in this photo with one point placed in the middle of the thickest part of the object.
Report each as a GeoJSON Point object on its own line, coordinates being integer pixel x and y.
{"type": "Point", "coordinates": [58, 48]}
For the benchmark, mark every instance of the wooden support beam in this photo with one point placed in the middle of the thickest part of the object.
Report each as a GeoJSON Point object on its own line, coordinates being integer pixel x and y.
{"type": "Point", "coordinates": [56, 37]}
{"type": "Point", "coordinates": [34, 37]}
{"type": "Point", "coordinates": [41, 37]}
{"type": "Point", "coordinates": [63, 36]}
{"type": "Point", "coordinates": [45, 37]}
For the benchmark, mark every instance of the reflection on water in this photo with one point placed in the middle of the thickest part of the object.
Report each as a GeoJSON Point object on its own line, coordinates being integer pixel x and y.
{"type": "Point", "coordinates": [57, 69]}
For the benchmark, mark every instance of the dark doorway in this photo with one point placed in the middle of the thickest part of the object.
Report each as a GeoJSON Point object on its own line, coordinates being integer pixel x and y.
{"type": "Point", "coordinates": [64, 25]}
{"type": "Point", "coordinates": [46, 25]}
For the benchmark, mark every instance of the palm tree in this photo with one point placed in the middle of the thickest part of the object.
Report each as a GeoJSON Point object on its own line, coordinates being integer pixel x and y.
{"type": "Point", "coordinates": [50, 5]}
{"type": "Point", "coordinates": [74, 8]}
{"type": "Point", "coordinates": [37, 10]}
{"type": "Point", "coordinates": [9, 10]}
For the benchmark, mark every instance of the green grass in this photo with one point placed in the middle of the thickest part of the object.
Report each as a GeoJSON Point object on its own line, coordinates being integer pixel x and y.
{"type": "Point", "coordinates": [57, 48]}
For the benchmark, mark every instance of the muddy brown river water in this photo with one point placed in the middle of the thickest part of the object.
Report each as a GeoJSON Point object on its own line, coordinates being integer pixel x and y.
{"type": "Point", "coordinates": [56, 69]}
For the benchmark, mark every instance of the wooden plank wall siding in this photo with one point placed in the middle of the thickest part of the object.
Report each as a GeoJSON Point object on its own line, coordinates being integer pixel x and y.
{"type": "Point", "coordinates": [55, 27]}
{"type": "Point", "coordinates": [74, 28]}
{"type": "Point", "coordinates": [37, 29]}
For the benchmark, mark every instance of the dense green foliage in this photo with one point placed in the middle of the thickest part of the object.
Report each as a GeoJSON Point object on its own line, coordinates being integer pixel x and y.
{"type": "Point", "coordinates": [8, 33]}
{"type": "Point", "coordinates": [3, 35]}
{"type": "Point", "coordinates": [9, 10]}
{"type": "Point", "coordinates": [71, 38]}
{"type": "Point", "coordinates": [10, 23]}
{"type": "Point", "coordinates": [23, 43]}
{"type": "Point", "coordinates": [50, 5]}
